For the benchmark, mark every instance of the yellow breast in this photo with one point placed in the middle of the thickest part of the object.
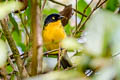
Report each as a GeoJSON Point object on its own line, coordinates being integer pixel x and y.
{"type": "Point", "coordinates": [53, 34]}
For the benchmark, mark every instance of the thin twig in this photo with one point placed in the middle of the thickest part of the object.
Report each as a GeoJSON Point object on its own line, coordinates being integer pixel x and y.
{"type": "Point", "coordinates": [76, 16]}
{"type": "Point", "coordinates": [24, 25]}
{"type": "Point", "coordinates": [25, 55]}
{"type": "Point", "coordinates": [46, 53]}
{"type": "Point", "coordinates": [89, 15]}
{"type": "Point", "coordinates": [59, 57]}
{"type": "Point", "coordinates": [12, 64]}
{"type": "Point", "coordinates": [96, 7]}
{"type": "Point", "coordinates": [97, 4]}
{"type": "Point", "coordinates": [43, 4]}
{"type": "Point", "coordinates": [66, 6]}
{"type": "Point", "coordinates": [85, 12]}
{"type": "Point", "coordinates": [101, 4]}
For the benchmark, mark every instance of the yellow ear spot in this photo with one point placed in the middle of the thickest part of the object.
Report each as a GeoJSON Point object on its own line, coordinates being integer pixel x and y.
{"type": "Point", "coordinates": [53, 18]}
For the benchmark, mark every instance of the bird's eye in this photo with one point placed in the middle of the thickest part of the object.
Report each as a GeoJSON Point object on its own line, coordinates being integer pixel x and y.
{"type": "Point", "coordinates": [53, 18]}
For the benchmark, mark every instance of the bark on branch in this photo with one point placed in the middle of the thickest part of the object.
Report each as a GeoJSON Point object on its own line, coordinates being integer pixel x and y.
{"type": "Point", "coordinates": [14, 49]}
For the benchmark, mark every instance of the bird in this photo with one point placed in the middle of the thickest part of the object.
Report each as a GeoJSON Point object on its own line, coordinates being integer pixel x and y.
{"type": "Point", "coordinates": [53, 33]}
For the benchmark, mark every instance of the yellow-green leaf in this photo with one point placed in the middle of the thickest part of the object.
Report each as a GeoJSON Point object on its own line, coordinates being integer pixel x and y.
{"type": "Point", "coordinates": [9, 6]}
{"type": "Point", "coordinates": [70, 44]}
{"type": "Point", "coordinates": [3, 53]}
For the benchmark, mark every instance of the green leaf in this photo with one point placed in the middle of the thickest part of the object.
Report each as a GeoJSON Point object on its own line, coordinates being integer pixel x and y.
{"type": "Point", "coordinates": [16, 37]}
{"type": "Point", "coordinates": [103, 34]}
{"type": "Point", "coordinates": [71, 43]}
{"type": "Point", "coordinates": [112, 5]}
{"type": "Point", "coordinates": [50, 11]}
{"type": "Point", "coordinates": [9, 69]}
{"type": "Point", "coordinates": [81, 6]}
{"type": "Point", "coordinates": [28, 13]}
{"type": "Point", "coordinates": [22, 45]}
{"type": "Point", "coordinates": [3, 53]}
{"type": "Point", "coordinates": [14, 23]}
{"type": "Point", "coordinates": [18, 40]}
{"type": "Point", "coordinates": [68, 29]}
{"type": "Point", "coordinates": [59, 75]}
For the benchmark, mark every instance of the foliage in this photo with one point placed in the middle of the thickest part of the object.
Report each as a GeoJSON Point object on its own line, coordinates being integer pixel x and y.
{"type": "Point", "coordinates": [112, 5]}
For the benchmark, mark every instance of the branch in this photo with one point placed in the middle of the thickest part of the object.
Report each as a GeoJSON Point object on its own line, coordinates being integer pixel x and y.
{"type": "Point", "coordinates": [34, 37]}
{"type": "Point", "coordinates": [101, 4]}
{"type": "Point", "coordinates": [66, 6]}
{"type": "Point", "coordinates": [98, 5]}
{"type": "Point", "coordinates": [43, 4]}
{"type": "Point", "coordinates": [39, 32]}
{"type": "Point", "coordinates": [25, 55]}
{"type": "Point", "coordinates": [14, 49]}
{"type": "Point", "coordinates": [59, 57]}
{"type": "Point", "coordinates": [24, 25]}
{"type": "Point", "coordinates": [36, 17]}
{"type": "Point", "coordinates": [4, 73]}
{"type": "Point", "coordinates": [46, 53]}
{"type": "Point", "coordinates": [76, 16]}
{"type": "Point", "coordinates": [85, 12]}
{"type": "Point", "coordinates": [12, 64]}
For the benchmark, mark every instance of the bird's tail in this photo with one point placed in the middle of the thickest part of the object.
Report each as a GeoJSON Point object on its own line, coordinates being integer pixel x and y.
{"type": "Point", "coordinates": [65, 61]}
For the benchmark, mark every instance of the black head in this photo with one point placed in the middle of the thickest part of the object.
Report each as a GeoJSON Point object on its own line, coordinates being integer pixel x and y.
{"type": "Point", "coordinates": [52, 18]}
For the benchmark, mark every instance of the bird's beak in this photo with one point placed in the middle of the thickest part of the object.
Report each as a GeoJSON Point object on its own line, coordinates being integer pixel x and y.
{"type": "Point", "coordinates": [61, 17]}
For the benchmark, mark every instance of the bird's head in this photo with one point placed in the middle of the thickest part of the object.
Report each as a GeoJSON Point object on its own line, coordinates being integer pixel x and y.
{"type": "Point", "coordinates": [52, 18]}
